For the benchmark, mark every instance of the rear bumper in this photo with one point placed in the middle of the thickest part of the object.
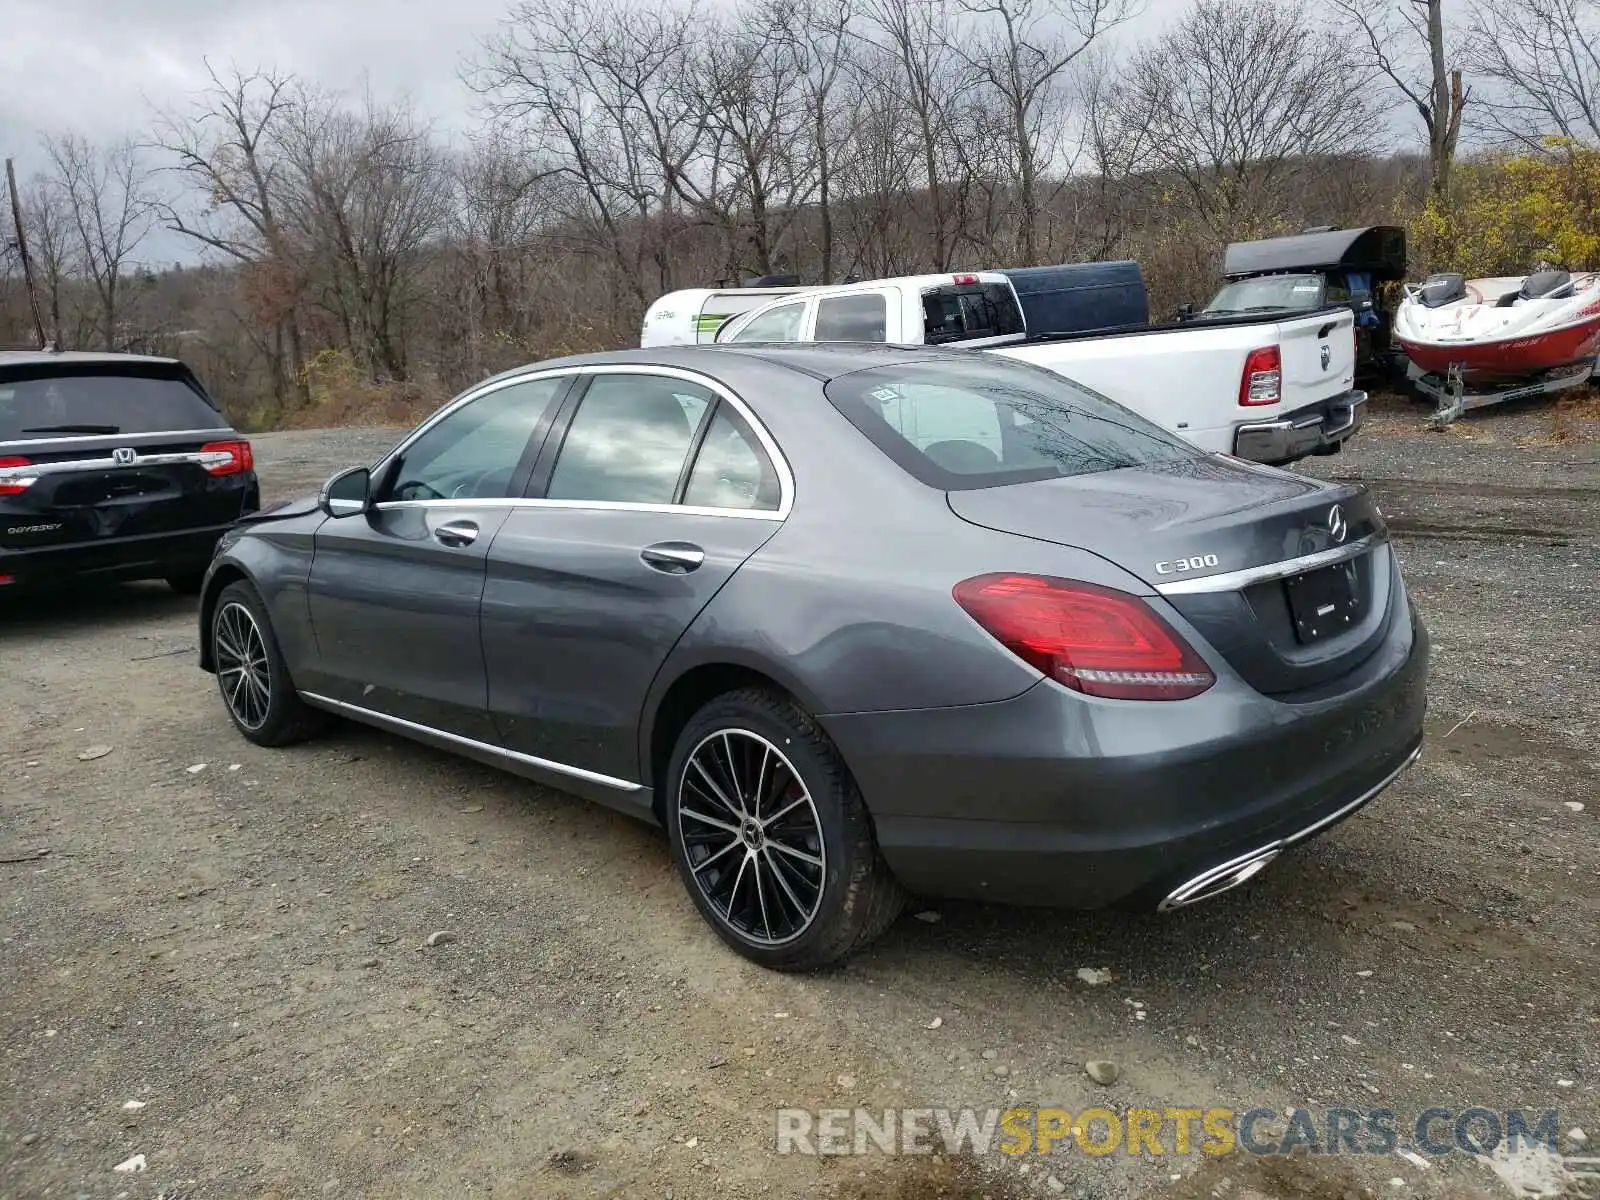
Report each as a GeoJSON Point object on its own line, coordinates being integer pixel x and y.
{"type": "Point", "coordinates": [1053, 798]}
{"type": "Point", "coordinates": [1321, 428]}
{"type": "Point", "coordinates": [147, 556]}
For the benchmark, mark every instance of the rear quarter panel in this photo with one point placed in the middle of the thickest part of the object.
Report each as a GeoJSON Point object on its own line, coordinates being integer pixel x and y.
{"type": "Point", "coordinates": [856, 615]}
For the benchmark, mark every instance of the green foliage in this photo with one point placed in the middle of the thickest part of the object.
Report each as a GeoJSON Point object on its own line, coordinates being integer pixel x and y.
{"type": "Point", "coordinates": [1510, 212]}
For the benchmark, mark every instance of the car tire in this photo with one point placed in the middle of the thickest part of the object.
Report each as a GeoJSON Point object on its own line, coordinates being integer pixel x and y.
{"type": "Point", "coordinates": [786, 868]}
{"type": "Point", "coordinates": [247, 660]}
{"type": "Point", "coordinates": [186, 583]}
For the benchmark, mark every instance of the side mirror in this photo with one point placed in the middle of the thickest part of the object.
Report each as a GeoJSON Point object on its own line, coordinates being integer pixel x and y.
{"type": "Point", "coordinates": [347, 493]}
{"type": "Point", "coordinates": [1185, 312]}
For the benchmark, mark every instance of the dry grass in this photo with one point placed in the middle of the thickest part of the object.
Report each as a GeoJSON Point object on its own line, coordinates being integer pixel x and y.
{"type": "Point", "coordinates": [342, 396]}
{"type": "Point", "coordinates": [1576, 418]}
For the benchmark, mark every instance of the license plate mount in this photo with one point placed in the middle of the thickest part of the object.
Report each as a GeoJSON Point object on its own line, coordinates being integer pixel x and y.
{"type": "Point", "coordinates": [1325, 602]}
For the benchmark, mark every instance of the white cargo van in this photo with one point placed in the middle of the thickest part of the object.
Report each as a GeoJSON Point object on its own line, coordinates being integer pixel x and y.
{"type": "Point", "coordinates": [694, 315]}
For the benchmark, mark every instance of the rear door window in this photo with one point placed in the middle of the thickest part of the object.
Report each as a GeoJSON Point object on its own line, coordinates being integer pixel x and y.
{"type": "Point", "coordinates": [957, 424]}
{"type": "Point", "coordinates": [782, 324]}
{"type": "Point", "coordinates": [858, 318]}
{"type": "Point", "coordinates": [48, 401]}
{"type": "Point", "coordinates": [732, 470]}
{"type": "Point", "coordinates": [629, 440]}
{"type": "Point", "coordinates": [961, 312]}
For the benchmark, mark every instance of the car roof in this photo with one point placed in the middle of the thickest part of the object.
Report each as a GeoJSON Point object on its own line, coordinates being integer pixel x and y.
{"type": "Point", "coordinates": [820, 360]}
{"type": "Point", "coordinates": [29, 358]}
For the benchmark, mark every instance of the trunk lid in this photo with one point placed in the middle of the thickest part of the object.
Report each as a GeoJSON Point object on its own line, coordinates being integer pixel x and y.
{"type": "Point", "coordinates": [1189, 529]}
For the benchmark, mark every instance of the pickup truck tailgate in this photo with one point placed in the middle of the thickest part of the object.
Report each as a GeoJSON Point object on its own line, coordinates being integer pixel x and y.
{"type": "Point", "coordinates": [1319, 357]}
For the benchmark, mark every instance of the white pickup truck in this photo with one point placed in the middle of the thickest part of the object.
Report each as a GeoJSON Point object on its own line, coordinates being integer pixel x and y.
{"type": "Point", "coordinates": [1273, 387]}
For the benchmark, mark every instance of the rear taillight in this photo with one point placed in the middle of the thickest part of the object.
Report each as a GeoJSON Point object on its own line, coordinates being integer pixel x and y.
{"type": "Point", "coordinates": [1100, 641]}
{"type": "Point", "coordinates": [1262, 380]}
{"type": "Point", "coordinates": [964, 280]}
{"type": "Point", "coordinates": [239, 458]}
{"type": "Point", "coordinates": [13, 481]}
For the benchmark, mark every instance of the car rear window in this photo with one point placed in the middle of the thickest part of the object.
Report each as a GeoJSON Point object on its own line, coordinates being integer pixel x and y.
{"type": "Point", "coordinates": [961, 312]}
{"type": "Point", "coordinates": [40, 400]}
{"type": "Point", "coordinates": [959, 425]}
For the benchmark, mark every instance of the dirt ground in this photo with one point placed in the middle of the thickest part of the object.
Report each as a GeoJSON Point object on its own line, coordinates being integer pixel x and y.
{"type": "Point", "coordinates": [236, 938]}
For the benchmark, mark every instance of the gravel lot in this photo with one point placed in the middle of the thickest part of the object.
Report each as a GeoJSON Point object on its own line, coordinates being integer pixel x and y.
{"type": "Point", "coordinates": [235, 938]}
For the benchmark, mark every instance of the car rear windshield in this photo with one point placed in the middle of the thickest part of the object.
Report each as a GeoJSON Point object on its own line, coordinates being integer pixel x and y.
{"type": "Point", "coordinates": [960, 424]}
{"type": "Point", "coordinates": [961, 312]}
{"type": "Point", "coordinates": [38, 401]}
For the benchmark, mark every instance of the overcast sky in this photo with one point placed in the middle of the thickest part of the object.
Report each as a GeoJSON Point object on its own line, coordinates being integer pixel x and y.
{"type": "Point", "coordinates": [98, 67]}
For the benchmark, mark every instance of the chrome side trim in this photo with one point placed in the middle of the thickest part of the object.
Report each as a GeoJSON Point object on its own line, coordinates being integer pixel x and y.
{"type": "Point", "coordinates": [1229, 875]}
{"type": "Point", "coordinates": [527, 760]}
{"type": "Point", "coordinates": [28, 474]}
{"type": "Point", "coordinates": [1232, 581]}
{"type": "Point", "coordinates": [748, 514]}
{"type": "Point", "coordinates": [779, 463]}
{"type": "Point", "coordinates": [122, 438]}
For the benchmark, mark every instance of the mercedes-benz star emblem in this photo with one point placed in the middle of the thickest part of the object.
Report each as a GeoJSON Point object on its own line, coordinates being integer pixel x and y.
{"type": "Point", "coordinates": [1337, 525]}
{"type": "Point", "coordinates": [124, 456]}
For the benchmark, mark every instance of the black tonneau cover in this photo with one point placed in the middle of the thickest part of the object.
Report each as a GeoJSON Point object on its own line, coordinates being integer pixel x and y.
{"type": "Point", "coordinates": [1080, 297]}
{"type": "Point", "coordinates": [1380, 249]}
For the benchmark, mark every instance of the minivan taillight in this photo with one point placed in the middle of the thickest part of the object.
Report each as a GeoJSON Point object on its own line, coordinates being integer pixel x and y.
{"type": "Point", "coordinates": [12, 483]}
{"type": "Point", "coordinates": [1094, 639]}
{"type": "Point", "coordinates": [1262, 380]}
{"type": "Point", "coordinates": [240, 458]}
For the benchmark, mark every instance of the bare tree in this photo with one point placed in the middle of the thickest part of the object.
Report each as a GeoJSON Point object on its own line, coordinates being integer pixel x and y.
{"type": "Point", "coordinates": [1404, 41]}
{"type": "Point", "coordinates": [1243, 101]}
{"type": "Point", "coordinates": [817, 34]}
{"type": "Point", "coordinates": [879, 164]}
{"type": "Point", "coordinates": [111, 207]}
{"type": "Point", "coordinates": [1019, 51]}
{"type": "Point", "coordinates": [916, 37]}
{"type": "Point", "coordinates": [52, 241]}
{"type": "Point", "coordinates": [370, 191]}
{"type": "Point", "coordinates": [747, 173]}
{"type": "Point", "coordinates": [598, 87]}
{"type": "Point", "coordinates": [1108, 196]}
{"type": "Point", "coordinates": [228, 149]}
{"type": "Point", "coordinates": [1541, 59]}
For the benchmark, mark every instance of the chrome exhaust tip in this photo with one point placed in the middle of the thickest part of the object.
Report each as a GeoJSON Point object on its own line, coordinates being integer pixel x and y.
{"type": "Point", "coordinates": [1222, 878]}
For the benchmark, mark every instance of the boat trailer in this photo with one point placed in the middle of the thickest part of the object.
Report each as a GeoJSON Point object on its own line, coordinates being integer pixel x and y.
{"type": "Point", "coordinates": [1452, 398]}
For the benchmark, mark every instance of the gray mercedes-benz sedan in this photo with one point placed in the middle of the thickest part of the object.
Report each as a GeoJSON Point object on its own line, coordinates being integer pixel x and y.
{"type": "Point", "coordinates": [849, 621]}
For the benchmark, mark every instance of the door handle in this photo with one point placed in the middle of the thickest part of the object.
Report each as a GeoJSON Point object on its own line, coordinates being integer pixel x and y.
{"type": "Point", "coordinates": [673, 558]}
{"type": "Point", "coordinates": [456, 533]}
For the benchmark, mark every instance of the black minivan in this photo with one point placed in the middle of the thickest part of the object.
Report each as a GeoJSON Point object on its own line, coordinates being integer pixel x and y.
{"type": "Point", "coordinates": [113, 466]}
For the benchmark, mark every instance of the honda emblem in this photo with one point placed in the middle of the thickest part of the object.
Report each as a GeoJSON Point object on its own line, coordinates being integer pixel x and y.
{"type": "Point", "coordinates": [124, 456]}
